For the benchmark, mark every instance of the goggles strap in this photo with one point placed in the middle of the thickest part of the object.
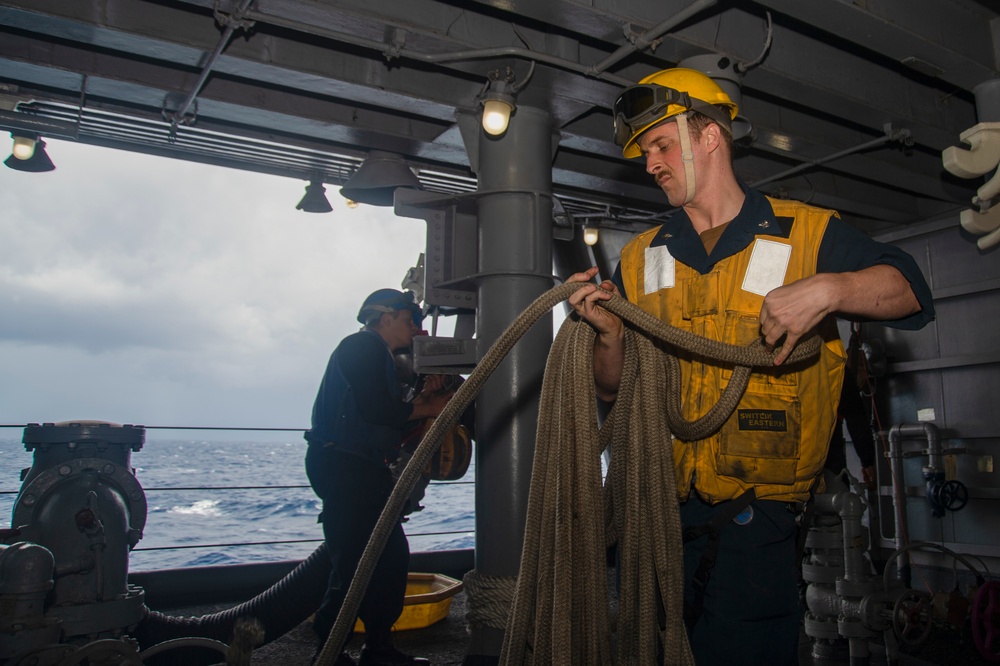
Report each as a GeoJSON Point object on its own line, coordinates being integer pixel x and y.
{"type": "Point", "coordinates": [687, 156]}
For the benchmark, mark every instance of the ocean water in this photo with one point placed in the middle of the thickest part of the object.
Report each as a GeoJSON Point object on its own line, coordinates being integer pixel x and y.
{"type": "Point", "coordinates": [206, 497]}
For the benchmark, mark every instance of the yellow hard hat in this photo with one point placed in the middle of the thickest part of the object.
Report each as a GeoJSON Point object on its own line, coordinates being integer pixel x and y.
{"type": "Point", "coordinates": [665, 94]}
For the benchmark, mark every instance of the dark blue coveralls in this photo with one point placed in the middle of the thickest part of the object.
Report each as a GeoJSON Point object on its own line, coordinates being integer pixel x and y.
{"type": "Point", "coordinates": [357, 423]}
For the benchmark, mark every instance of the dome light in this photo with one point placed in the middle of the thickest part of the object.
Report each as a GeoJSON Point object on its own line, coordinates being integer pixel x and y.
{"type": "Point", "coordinates": [498, 99]}
{"type": "Point", "coordinates": [496, 115]}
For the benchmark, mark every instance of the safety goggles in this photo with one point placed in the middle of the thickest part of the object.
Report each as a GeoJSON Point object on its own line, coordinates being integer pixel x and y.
{"type": "Point", "coordinates": [640, 105]}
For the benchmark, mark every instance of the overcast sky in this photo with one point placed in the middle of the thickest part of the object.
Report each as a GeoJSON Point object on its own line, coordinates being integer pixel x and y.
{"type": "Point", "coordinates": [147, 290]}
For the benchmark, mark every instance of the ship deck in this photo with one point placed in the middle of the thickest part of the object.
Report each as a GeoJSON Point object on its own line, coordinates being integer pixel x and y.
{"type": "Point", "coordinates": [446, 642]}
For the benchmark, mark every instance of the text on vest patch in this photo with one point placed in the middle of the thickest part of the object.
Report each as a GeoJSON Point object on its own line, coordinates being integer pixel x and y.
{"type": "Point", "coordinates": [762, 419]}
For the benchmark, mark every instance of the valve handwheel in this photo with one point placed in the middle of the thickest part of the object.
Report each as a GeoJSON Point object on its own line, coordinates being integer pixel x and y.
{"type": "Point", "coordinates": [986, 621]}
{"type": "Point", "coordinates": [911, 617]}
{"type": "Point", "coordinates": [952, 495]}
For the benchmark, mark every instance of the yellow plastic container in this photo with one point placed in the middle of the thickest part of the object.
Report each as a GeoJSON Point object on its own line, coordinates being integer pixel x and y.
{"type": "Point", "coordinates": [428, 600]}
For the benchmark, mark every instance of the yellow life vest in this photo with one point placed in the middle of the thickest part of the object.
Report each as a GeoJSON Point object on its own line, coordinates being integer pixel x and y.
{"type": "Point", "coordinates": [777, 438]}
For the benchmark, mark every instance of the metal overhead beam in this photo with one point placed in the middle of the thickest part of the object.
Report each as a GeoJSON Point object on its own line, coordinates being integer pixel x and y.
{"type": "Point", "coordinates": [804, 70]}
{"type": "Point", "coordinates": [770, 159]}
{"type": "Point", "coordinates": [349, 75]}
{"type": "Point", "coordinates": [261, 47]}
{"type": "Point", "coordinates": [15, 122]}
{"type": "Point", "coordinates": [307, 64]}
{"type": "Point", "coordinates": [128, 82]}
{"type": "Point", "coordinates": [947, 40]}
{"type": "Point", "coordinates": [422, 43]}
{"type": "Point", "coordinates": [799, 69]}
{"type": "Point", "coordinates": [325, 77]}
{"type": "Point", "coordinates": [129, 27]}
{"type": "Point", "coordinates": [858, 202]}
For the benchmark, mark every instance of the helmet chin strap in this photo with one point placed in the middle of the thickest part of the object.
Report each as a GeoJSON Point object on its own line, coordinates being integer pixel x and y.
{"type": "Point", "coordinates": [687, 157]}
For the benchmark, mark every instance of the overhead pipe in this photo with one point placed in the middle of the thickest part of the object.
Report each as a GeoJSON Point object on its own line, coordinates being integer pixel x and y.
{"type": "Point", "coordinates": [436, 58]}
{"type": "Point", "coordinates": [396, 49]}
{"type": "Point", "coordinates": [890, 135]}
{"type": "Point", "coordinates": [206, 68]}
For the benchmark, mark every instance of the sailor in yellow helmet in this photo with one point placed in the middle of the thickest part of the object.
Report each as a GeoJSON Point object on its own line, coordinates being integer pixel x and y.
{"type": "Point", "coordinates": [734, 265]}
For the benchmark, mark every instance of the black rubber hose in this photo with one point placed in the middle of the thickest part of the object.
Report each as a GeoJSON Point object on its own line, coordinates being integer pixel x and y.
{"type": "Point", "coordinates": [279, 609]}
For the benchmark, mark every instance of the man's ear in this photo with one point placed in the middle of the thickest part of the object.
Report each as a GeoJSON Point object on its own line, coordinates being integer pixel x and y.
{"type": "Point", "coordinates": [712, 136]}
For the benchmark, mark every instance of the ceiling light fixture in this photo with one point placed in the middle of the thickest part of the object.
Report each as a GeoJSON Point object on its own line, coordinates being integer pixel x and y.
{"type": "Point", "coordinates": [26, 128]}
{"type": "Point", "coordinates": [315, 200]}
{"type": "Point", "coordinates": [591, 235]}
{"type": "Point", "coordinates": [28, 154]}
{"type": "Point", "coordinates": [377, 178]}
{"type": "Point", "coordinates": [498, 99]}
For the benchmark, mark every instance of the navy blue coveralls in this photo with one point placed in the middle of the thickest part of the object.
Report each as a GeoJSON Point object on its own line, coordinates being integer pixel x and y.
{"type": "Point", "coordinates": [357, 423]}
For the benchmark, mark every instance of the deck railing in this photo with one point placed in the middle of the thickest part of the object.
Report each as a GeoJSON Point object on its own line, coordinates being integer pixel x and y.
{"type": "Point", "coordinates": [209, 492]}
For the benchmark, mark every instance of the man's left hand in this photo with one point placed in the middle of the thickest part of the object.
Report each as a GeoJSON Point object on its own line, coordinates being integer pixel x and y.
{"type": "Point", "coordinates": [790, 312]}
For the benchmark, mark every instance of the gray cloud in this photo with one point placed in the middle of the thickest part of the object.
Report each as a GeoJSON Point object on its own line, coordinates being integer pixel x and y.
{"type": "Point", "coordinates": [143, 289]}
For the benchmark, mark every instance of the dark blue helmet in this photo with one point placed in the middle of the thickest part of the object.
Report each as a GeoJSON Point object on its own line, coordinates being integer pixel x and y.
{"type": "Point", "coordinates": [389, 300]}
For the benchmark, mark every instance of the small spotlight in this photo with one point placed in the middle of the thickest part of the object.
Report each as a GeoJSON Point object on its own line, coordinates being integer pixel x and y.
{"type": "Point", "coordinates": [351, 203]}
{"type": "Point", "coordinates": [29, 155]}
{"type": "Point", "coordinates": [315, 200]}
{"type": "Point", "coordinates": [590, 235]}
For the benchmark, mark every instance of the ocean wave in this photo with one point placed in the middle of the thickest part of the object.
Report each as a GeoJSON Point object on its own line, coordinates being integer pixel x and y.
{"type": "Point", "coordinates": [199, 508]}
{"type": "Point", "coordinates": [184, 509]}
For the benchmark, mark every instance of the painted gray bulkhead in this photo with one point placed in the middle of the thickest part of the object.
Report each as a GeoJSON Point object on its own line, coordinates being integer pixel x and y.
{"type": "Point", "coordinates": [949, 367]}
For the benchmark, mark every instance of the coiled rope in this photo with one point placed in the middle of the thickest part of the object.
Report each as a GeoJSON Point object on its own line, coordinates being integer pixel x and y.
{"type": "Point", "coordinates": [559, 613]}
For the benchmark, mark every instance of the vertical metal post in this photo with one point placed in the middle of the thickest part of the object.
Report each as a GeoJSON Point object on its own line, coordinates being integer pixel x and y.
{"type": "Point", "coordinates": [515, 267]}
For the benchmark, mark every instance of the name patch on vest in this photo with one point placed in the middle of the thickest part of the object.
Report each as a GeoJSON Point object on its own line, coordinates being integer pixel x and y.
{"type": "Point", "coordinates": [768, 263]}
{"type": "Point", "coordinates": [659, 270]}
{"type": "Point", "coordinates": [773, 420]}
